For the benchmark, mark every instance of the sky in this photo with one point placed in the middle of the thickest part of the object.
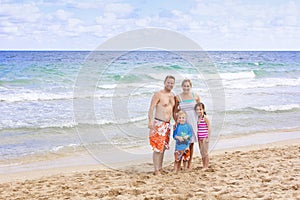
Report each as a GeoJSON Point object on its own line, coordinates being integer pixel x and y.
{"type": "Point", "coordinates": [212, 24]}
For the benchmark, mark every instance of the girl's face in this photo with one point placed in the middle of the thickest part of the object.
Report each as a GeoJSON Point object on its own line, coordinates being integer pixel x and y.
{"type": "Point", "coordinates": [186, 87]}
{"type": "Point", "coordinates": [181, 119]}
{"type": "Point", "coordinates": [199, 111]}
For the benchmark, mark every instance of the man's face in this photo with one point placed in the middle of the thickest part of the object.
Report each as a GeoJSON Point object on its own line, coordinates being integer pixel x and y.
{"type": "Point", "coordinates": [169, 84]}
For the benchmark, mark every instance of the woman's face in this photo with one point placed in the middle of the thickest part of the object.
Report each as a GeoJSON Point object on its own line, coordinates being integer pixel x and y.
{"type": "Point", "coordinates": [186, 87]}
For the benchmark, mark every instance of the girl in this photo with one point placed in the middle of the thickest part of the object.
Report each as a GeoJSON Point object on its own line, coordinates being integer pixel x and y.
{"type": "Point", "coordinates": [203, 133]}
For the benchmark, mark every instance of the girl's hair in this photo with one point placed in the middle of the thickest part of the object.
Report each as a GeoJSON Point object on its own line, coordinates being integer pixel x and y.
{"type": "Point", "coordinates": [186, 81]}
{"type": "Point", "coordinates": [201, 105]}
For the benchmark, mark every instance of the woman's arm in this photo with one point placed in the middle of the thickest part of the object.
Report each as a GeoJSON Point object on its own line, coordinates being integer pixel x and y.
{"type": "Point", "coordinates": [197, 98]}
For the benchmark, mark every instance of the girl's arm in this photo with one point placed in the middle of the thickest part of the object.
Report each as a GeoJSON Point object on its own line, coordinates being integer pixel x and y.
{"type": "Point", "coordinates": [208, 126]}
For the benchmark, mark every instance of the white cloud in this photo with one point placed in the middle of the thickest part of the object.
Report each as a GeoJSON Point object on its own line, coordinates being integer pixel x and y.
{"type": "Point", "coordinates": [119, 10]}
{"type": "Point", "coordinates": [214, 24]}
{"type": "Point", "coordinates": [62, 14]}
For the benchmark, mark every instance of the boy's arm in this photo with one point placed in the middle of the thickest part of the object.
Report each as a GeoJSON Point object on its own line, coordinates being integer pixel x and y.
{"type": "Point", "coordinates": [177, 137]}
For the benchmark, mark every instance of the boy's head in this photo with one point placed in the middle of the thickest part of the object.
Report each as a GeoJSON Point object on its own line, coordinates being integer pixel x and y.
{"type": "Point", "coordinates": [181, 117]}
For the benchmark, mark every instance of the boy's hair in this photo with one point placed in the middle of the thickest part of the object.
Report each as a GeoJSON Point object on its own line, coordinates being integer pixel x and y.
{"type": "Point", "coordinates": [181, 112]}
{"type": "Point", "coordinates": [201, 105]}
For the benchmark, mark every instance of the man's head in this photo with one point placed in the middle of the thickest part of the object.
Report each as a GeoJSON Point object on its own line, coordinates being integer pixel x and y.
{"type": "Point", "coordinates": [169, 82]}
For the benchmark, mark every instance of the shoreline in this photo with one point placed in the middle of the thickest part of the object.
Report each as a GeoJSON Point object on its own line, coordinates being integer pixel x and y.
{"type": "Point", "coordinates": [69, 165]}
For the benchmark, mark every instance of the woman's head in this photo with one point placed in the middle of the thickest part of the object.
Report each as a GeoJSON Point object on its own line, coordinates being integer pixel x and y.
{"type": "Point", "coordinates": [186, 85]}
{"type": "Point", "coordinates": [200, 109]}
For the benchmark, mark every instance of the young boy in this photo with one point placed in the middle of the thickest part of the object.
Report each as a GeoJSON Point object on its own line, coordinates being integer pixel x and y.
{"type": "Point", "coordinates": [182, 134]}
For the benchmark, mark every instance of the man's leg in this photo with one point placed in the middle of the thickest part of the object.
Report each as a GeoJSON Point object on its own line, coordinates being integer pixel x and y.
{"type": "Point", "coordinates": [156, 162]}
{"type": "Point", "coordinates": [161, 159]}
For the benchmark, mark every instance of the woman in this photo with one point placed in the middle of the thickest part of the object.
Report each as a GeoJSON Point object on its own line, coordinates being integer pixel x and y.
{"type": "Point", "coordinates": [186, 101]}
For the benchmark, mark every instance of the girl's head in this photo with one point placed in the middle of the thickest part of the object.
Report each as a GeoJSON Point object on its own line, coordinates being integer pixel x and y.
{"type": "Point", "coordinates": [186, 85]}
{"type": "Point", "coordinates": [200, 109]}
{"type": "Point", "coordinates": [181, 117]}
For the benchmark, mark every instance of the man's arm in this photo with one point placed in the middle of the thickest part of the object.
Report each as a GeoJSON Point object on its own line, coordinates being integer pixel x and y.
{"type": "Point", "coordinates": [154, 102]}
{"type": "Point", "coordinates": [175, 109]}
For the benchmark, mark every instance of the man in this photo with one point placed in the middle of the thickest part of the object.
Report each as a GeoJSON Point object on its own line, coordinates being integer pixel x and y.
{"type": "Point", "coordinates": [159, 135]}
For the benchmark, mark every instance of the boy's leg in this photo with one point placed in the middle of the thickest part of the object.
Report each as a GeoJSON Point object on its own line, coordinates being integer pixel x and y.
{"type": "Point", "coordinates": [178, 157]}
{"type": "Point", "coordinates": [177, 166]}
{"type": "Point", "coordinates": [186, 158]}
{"type": "Point", "coordinates": [205, 149]}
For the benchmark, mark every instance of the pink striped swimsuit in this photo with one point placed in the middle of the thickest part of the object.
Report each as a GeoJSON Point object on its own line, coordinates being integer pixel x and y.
{"type": "Point", "coordinates": [202, 129]}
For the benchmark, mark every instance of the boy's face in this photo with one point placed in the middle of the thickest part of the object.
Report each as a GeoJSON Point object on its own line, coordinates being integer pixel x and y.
{"type": "Point", "coordinates": [181, 119]}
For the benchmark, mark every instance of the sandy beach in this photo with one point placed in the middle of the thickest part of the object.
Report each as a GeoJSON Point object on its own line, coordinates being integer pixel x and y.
{"type": "Point", "coordinates": [269, 171]}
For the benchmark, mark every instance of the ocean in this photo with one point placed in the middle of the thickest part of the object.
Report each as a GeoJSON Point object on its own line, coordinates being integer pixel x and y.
{"type": "Point", "coordinates": [62, 103]}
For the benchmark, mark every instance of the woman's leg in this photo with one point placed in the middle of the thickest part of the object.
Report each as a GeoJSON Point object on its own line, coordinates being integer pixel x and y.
{"type": "Point", "coordinates": [189, 165]}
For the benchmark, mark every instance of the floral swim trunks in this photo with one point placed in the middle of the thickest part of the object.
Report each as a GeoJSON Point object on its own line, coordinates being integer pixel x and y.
{"type": "Point", "coordinates": [160, 135]}
{"type": "Point", "coordinates": [184, 154]}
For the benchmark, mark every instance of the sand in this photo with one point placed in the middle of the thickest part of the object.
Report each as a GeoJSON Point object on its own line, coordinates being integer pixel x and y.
{"type": "Point", "coordinates": [269, 171]}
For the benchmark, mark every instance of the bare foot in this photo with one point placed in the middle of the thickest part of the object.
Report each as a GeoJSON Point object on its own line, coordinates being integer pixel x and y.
{"type": "Point", "coordinates": [204, 168]}
{"type": "Point", "coordinates": [157, 173]}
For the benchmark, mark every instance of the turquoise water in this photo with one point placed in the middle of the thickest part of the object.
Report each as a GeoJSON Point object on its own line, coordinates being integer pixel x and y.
{"type": "Point", "coordinates": [39, 109]}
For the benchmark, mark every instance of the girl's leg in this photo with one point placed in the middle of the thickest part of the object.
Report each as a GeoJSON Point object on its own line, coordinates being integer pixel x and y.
{"type": "Point", "coordinates": [200, 142]}
{"type": "Point", "coordinates": [206, 158]}
{"type": "Point", "coordinates": [189, 164]}
{"type": "Point", "coordinates": [206, 161]}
